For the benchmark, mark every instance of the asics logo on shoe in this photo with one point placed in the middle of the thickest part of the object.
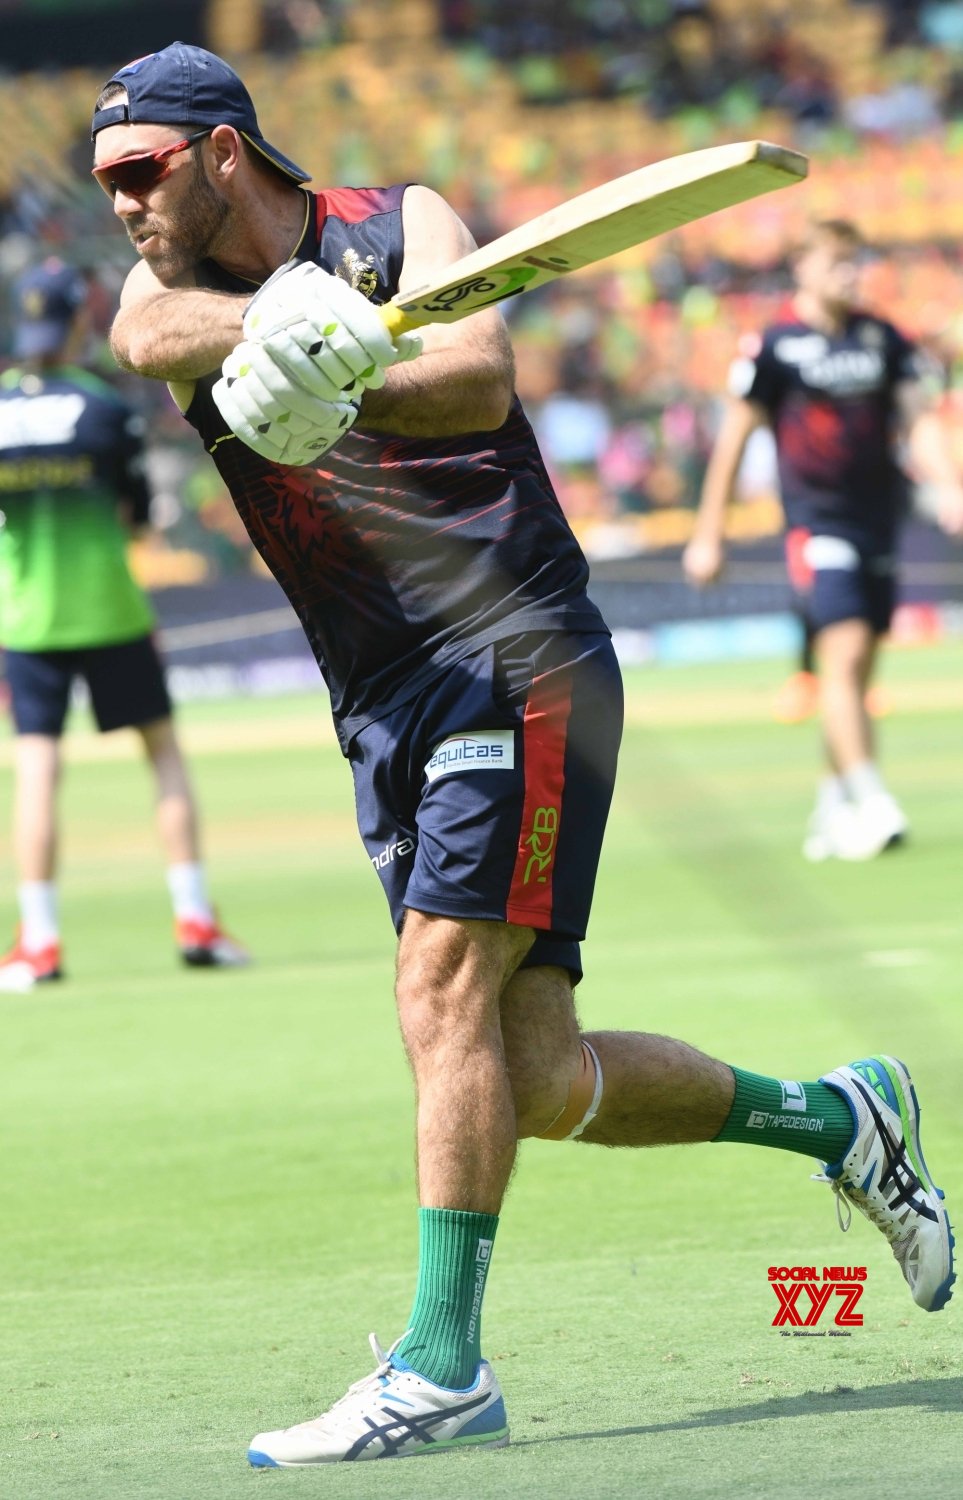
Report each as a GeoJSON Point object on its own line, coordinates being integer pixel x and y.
{"type": "Point", "coordinates": [885, 1177]}
{"type": "Point", "coordinates": [392, 1413]}
{"type": "Point", "coordinates": [899, 1173]}
{"type": "Point", "coordinates": [399, 1429]}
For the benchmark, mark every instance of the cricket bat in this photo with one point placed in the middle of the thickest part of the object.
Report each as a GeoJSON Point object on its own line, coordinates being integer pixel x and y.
{"type": "Point", "coordinates": [597, 224]}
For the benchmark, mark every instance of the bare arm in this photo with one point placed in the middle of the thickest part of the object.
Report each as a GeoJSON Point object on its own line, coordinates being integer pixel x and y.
{"type": "Point", "coordinates": [930, 455]}
{"type": "Point", "coordinates": [464, 380]}
{"type": "Point", "coordinates": [174, 333]}
{"type": "Point", "coordinates": [704, 556]}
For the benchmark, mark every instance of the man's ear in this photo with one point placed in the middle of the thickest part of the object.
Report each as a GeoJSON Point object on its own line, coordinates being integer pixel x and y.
{"type": "Point", "coordinates": [228, 149]}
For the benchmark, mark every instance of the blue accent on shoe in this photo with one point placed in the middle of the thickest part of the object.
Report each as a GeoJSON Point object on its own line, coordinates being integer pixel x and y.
{"type": "Point", "coordinates": [872, 1072]}
{"type": "Point", "coordinates": [457, 1390]}
{"type": "Point", "coordinates": [919, 1149]}
{"type": "Point", "coordinates": [261, 1460]}
{"type": "Point", "coordinates": [397, 1400]}
{"type": "Point", "coordinates": [492, 1419]}
{"type": "Point", "coordinates": [835, 1169]}
{"type": "Point", "coordinates": [944, 1291]}
{"type": "Point", "coordinates": [864, 1185]}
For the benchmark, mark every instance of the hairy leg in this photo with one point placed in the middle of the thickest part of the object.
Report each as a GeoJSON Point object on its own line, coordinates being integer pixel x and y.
{"type": "Point", "coordinates": [542, 1044]}
{"type": "Point", "coordinates": [657, 1091]}
{"type": "Point", "coordinates": [450, 978]}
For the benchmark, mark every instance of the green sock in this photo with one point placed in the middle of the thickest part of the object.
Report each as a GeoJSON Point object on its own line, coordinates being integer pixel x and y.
{"type": "Point", "coordinates": [444, 1333]}
{"type": "Point", "coordinates": [810, 1118]}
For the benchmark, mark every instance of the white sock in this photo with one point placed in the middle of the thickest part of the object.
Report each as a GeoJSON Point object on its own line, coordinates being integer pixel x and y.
{"type": "Point", "coordinates": [830, 794]}
{"type": "Point", "coordinates": [38, 914]}
{"type": "Point", "coordinates": [188, 890]}
{"type": "Point", "coordinates": [863, 781]}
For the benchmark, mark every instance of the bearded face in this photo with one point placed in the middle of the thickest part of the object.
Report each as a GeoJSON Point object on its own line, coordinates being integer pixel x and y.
{"type": "Point", "coordinates": [173, 231]}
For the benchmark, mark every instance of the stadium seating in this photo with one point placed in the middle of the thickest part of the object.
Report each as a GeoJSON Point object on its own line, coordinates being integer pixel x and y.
{"type": "Point", "coordinates": [407, 94]}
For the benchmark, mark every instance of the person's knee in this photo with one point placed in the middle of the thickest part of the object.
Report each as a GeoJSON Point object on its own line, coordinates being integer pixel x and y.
{"type": "Point", "coordinates": [541, 1098]}
{"type": "Point", "coordinates": [845, 649]}
{"type": "Point", "coordinates": [37, 759]}
{"type": "Point", "coordinates": [582, 1101]}
{"type": "Point", "coordinates": [159, 739]}
{"type": "Point", "coordinates": [450, 978]}
{"type": "Point", "coordinates": [543, 1048]}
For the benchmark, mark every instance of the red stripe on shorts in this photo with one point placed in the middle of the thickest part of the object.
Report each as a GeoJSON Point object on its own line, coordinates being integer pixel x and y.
{"type": "Point", "coordinates": [800, 573]}
{"type": "Point", "coordinates": [544, 737]}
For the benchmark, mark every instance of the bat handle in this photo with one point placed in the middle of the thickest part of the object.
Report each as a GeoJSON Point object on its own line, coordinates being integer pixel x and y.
{"type": "Point", "coordinates": [395, 320]}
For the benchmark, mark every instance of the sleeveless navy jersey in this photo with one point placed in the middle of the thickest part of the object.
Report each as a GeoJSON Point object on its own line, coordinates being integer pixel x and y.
{"type": "Point", "coordinates": [400, 555]}
{"type": "Point", "coordinates": [830, 400]}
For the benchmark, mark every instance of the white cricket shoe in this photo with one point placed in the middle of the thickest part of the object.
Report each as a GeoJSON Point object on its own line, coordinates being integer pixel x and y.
{"type": "Point", "coordinates": [879, 824]}
{"type": "Point", "coordinates": [857, 831]}
{"type": "Point", "coordinates": [390, 1414]}
{"type": "Point", "coordinates": [884, 1175]}
{"type": "Point", "coordinates": [818, 843]}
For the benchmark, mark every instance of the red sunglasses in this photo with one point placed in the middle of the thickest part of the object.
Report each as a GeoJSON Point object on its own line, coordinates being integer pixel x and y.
{"type": "Point", "coordinates": [136, 175]}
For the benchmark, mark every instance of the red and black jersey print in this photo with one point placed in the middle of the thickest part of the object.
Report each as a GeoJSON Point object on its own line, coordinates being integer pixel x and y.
{"type": "Point", "coordinates": [400, 555]}
{"type": "Point", "coordinates": [831, 401]}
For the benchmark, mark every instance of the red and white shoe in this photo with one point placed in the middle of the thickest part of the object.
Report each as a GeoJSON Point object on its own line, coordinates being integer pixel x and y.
{"type": "Point", "coordinates": [202, 944]}
{"type": "Point", "coordinates": [21, 969]}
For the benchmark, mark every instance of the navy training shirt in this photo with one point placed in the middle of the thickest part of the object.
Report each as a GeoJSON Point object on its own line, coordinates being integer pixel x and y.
{"type": "Point", "coordinates": [66, 431]}
{"type": "Point", "coordinates": [830, 400]}
{"type": "Point", "coordinates": [400, 555]}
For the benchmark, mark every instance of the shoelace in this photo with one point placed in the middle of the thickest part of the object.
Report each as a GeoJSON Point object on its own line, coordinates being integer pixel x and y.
{"type": "Point", "coordinates": [840, 1196]}
{"type": "Point", "coordinates": [383, 1369]}
{"type": "Point", "coordinates": [849, 1196]}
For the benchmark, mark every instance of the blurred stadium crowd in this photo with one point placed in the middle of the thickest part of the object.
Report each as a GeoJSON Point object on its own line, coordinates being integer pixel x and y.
{"type": "Point", "coordinates": [508, 107]}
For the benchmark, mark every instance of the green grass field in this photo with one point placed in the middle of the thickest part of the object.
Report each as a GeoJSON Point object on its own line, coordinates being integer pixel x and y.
{"type": "Point", "coordinates": [207, 1180]}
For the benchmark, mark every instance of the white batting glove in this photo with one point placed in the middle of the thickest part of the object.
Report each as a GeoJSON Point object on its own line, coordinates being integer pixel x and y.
{"type": "Point", "coordinates": [294, 352]}
{"type": "Point", "coordinates": [331, 324]}
{"type": "Point", "coordinates": [269, 412]}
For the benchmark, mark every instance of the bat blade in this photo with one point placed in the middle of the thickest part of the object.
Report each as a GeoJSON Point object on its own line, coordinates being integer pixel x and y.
{"type": "Point", "coordinates": [604, 221]}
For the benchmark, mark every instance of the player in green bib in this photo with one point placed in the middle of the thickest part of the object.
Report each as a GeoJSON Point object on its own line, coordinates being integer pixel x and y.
{"type": "Point", "coordinates": [71, 487]}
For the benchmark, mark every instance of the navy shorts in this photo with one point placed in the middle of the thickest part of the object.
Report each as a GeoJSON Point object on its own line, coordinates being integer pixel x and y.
{"type": "Point", "coordinates": [486, 797]}
{"type": "Point", "coordinates": [842, 578]}
{"type": "Point", "coordinates": [126, 684]}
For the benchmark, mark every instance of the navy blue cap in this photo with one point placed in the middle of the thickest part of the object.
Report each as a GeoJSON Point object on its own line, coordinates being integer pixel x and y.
{"type": "Point", "coordinates": [184, 85]}
{"type": "Point", "coordinates": [47, 299]}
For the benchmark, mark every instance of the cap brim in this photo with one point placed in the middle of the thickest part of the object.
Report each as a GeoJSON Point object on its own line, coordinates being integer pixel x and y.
{"type": "Point", "coordinates": [45, 336]}
{"type": "Point", "coordinates": [276, 158]}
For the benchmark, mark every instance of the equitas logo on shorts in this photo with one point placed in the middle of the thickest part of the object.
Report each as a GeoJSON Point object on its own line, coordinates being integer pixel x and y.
{"type": "Point", "coordinates": [804, 1296]}
{"type": "Point", "coordinates": [483, 750]}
